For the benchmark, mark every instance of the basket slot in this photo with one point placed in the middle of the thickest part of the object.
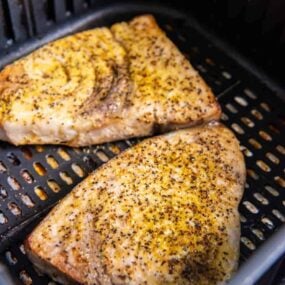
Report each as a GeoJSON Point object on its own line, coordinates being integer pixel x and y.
{"type": "Point", "coordinates": [92, 2]}
{"type": "Point", "coordinates": [2, 27]}
{"type": "Point", "coordinates": [254, 10]}
{"type": "Point", "coordinates": [43, 15]}
{"type": "Point", "coordinates": [20, 24]}
{"type": "Point", "coordinates": [79, 6]}
{"type": "Point", "coordinates": [59, 10]}
{"type": "Point", "coordinates": [6, 32]}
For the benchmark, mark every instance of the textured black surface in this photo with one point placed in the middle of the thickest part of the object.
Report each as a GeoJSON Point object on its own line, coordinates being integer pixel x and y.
{"type": "Point", "coordinates": [250, 107]}
{"type": "Point", "coordinates": [255, 27]}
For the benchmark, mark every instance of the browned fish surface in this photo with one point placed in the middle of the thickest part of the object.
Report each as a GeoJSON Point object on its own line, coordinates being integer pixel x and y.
{"type": "Point", "coordinates": [163, 212]}
{"type": "Point", "coordinates": [102, 85]}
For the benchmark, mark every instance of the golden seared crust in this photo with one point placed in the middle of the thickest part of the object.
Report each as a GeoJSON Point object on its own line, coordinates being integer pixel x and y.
{"type": "Point", "coordinates": [102, 85]}
{"type": "Point", "coordinates": [162, 212]}
{"type": "Point", "coordinates": [163, 76]}
{"type": "Point", "coordinates": [69, 277]}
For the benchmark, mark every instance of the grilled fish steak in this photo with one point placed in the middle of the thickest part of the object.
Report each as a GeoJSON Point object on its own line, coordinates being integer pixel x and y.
{"type": "Point", "coordinates": [102, 85]}
{"type": "Point", "coordinates": [163, 212]}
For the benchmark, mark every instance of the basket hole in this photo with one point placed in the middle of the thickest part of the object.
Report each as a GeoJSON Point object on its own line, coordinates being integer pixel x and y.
{"type": "Point", "coordinates": [210, 61]}
{"type": "Point", "coordinates": [14, 184]}
{"type": "Point", "coordinates": [3, 219]}
{"type": "Point", "coordinates": [27, 176]}
{"type": "Point", "coordinates": [68, 13]}
{"type": "Point", "coordinates": [260, 198]}
{"type": "Point", "coordinates": [168, 27]}
{"type": "Point", "coordinates": [65, 177]}
{"type": "Point", "coordinates": [250, 207]}
{"type": "Point", "coordinates": [40, 193]}
{"type": "Point", "coordinates": [272, 157]}
{"type": "Point", "coordinates": [181, 38]}
{"type": "Point", "coordinates": [39, 148]}
{"type": "Point", "coordinates": [89, 161]}
{"type": "Point", "coordinates": [26, 152]}
{"type": "Point", "coordinates": [86, 150]}
{"type": "Point", "coordinates": [77, 150]}
{"type": "Point", "coordinates": [224, 117]}
{"type": "Point", "coordinates": [52, 161]}
{"type": "Point", "coordinates": [14, 209]}
{"type": "Point", "coordinates": [278, 215]}
{"type": "Point", "coordinates": [9, 42]}
{"type": "Point", "coordinates": [2, 167]}
{"type": "Point", "coordinates": [13, 159]}
{"type": "Point", "coordinates": [237, 129]}
{"type": "Point", "coordinates": [265, 107]}
{"type": "Point", "coordinates": [129, 143]}
{"type": "Point", "coordinates": [252, 174]}
{"type": "Point", "coordinates": [256, 114]}
{"type": "Point", "coordinates": [25, 278]}
{"type": "Point", "coordinates": [248, 122]}
{"type": "Point", "coordinates": [274, 129]}
{"type": "Point", "coordinates": [77, 170]}
{"type": "Point", "coordinates": [281, 149]}
{"type": "Point", "coordinates": [249, 93]}
{"type": "Point", "coordinates": [265, 136]}
{"type": "Point", "coordinates": [259, 234]}
{"type": "Point", "coordinates": [243, 219]}
{"type": "Point", "coordinates": [201, 68]}
{"type": "Point", "coordinates": [227, 75]}
{"type": "Point", "coordinates": [53, 185]}
{"type": "Point", "coordinates": [262, 165]}
{"type": "Point", "coordinates": [3, 192]}
{"type": "Point", "coordinates": [114, 148]}
{"type": "Point", "coordinates": [102, 156]}
{"type": "Point", "coordinates": [255, 143]}
{"type": "Point", "coordinates": [248, 243]}
{"type": "Point", "coordinates": [39, 168]}
{"type": "Point", "coordinates": [246, 151]}
{"type": "Point", "coordinates": [272, 191]}
{"type": "Point", "coordinates": [12, 260]}
{"type": "Point", "coordinates": [195, 49]}
{"type": "Point", "coordinates": [63, 154]}
{"type": "Point", "coordinates": [231, 108]}
{"type": "Point", "coordinates": [267, 222]}
{"type": "Point", "coordinates": [27, 201]}
{"type": "Point", "coordinates": [22, 249]}
{"type": "Point", "coordinates": [280, 181]}
{"type": "Point", "coordinates": [241, 101]}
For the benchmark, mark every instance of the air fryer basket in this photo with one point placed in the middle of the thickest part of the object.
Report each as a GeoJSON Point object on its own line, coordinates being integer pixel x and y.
{"type": "Point", "coordinates": [34, 178]}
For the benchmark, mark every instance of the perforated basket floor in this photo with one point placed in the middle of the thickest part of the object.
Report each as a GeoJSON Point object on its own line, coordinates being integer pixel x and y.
{"type": "Point", "coordinates": [34, 178]}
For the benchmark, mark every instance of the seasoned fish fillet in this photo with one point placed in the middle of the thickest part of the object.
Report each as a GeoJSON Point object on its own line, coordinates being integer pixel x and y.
{"type": "Point", "coordinates": [163, 212]}
{"type": "Point", "coordinates": [102, 85]}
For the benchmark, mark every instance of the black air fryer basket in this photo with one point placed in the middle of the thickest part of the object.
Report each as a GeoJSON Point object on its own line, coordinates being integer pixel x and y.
{"type": "Point", "coordinates": [34, 178]}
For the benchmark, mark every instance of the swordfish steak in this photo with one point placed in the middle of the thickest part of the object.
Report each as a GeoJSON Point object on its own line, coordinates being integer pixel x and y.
{"type": "Point", "coordinates": [163, 212]}
{"type": "Point", "coordinates": [102, 85]}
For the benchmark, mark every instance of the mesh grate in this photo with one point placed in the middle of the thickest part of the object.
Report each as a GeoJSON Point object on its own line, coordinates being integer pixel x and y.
{"type": "Point", "coordinates": [35, 178]}
{"type": "Point", "coordinates": [259, 128]}
{"type": "Point", "coordinates": [21, 20]}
